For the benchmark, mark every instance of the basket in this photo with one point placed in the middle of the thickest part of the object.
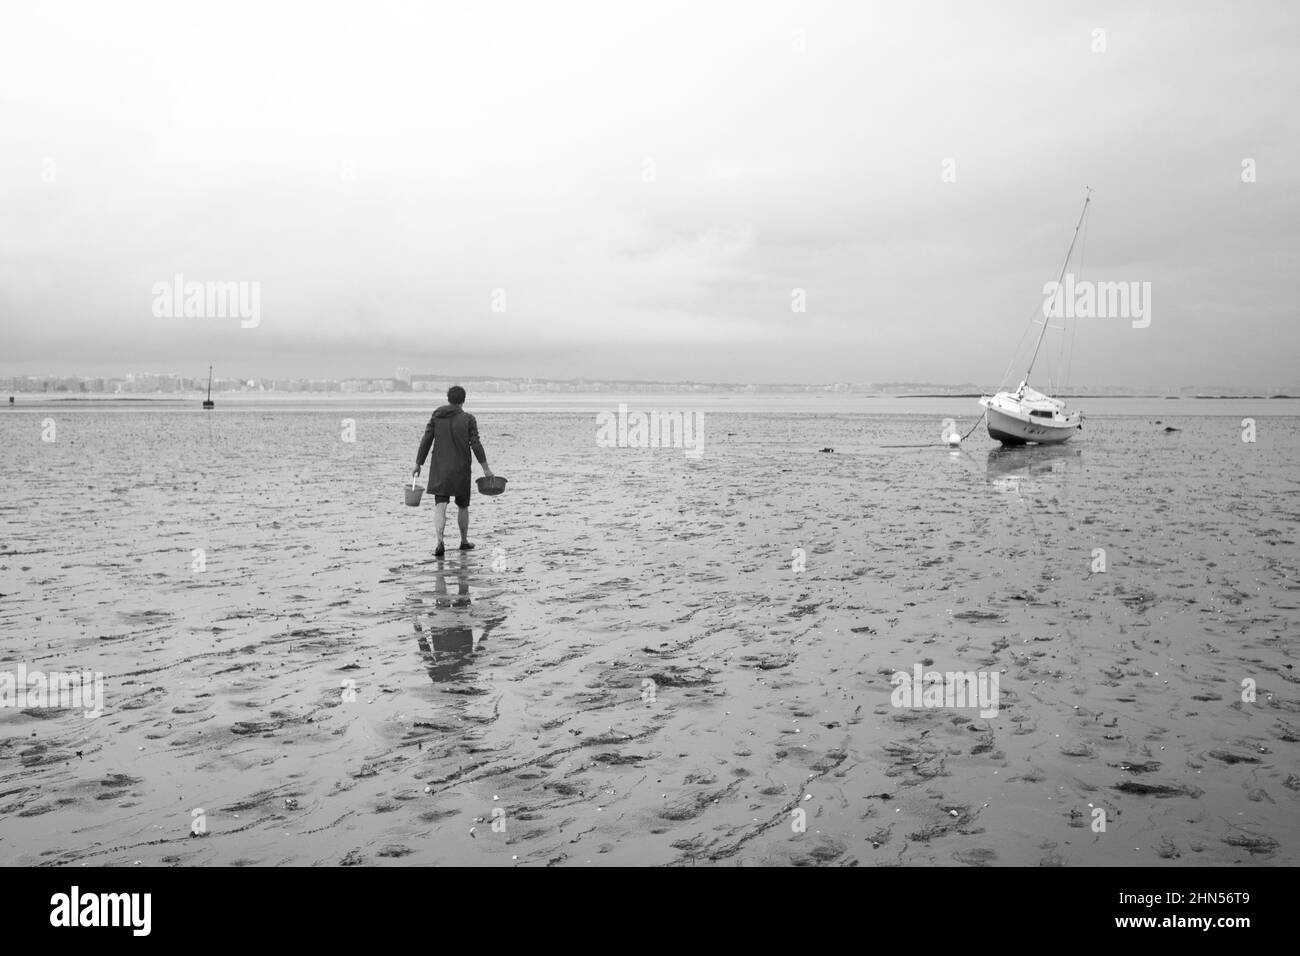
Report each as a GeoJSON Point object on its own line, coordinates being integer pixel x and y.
{"type": "Point", "coordinates": [491, 486]}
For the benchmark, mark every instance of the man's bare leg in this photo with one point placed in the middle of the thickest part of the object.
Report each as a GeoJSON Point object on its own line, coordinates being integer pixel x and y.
{"type": "Point", "coordinates": [462, 519]}
{"type": "Point", "coordinates": [439, 524]}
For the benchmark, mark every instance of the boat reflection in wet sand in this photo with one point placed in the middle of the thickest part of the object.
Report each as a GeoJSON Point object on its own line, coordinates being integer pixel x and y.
{"type": "Point", "coordinates": [1029, 468]}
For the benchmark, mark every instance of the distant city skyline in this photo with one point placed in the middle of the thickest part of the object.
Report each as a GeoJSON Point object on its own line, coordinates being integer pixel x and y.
{"type": "Point", "coordinates": [169, 383]}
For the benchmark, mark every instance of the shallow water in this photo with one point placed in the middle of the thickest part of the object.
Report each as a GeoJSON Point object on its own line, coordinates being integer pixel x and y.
{"type": "Point", "coordinates": [628, 667]}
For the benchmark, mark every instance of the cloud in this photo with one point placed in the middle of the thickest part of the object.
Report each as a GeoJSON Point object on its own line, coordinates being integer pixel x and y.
{"type": "Point", "coordinates": [383, 173]}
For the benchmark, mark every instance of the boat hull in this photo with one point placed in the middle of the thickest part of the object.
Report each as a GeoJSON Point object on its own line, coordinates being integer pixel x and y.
{"type": "Point", "coordinates": [1013, 429]}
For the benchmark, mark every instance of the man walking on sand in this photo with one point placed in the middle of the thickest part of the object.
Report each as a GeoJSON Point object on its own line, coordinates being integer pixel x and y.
{"type": "Point", "coordinates": [452, 433]}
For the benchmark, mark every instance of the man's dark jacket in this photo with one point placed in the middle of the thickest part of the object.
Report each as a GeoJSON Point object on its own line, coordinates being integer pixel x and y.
{"type": "Point", "coordinates": [453, 433]}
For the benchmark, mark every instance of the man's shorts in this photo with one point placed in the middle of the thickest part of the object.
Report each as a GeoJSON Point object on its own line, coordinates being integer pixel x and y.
{"type": "Point", "coordinates": [462, 501]}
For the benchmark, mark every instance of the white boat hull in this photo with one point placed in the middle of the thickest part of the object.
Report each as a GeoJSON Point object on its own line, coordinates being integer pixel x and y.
{"type": "Point", "coordinates": [1016, 422]}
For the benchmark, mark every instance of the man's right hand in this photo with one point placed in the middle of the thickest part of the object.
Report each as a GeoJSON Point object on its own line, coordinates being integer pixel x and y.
{"type": "Point", "coordinates": [416, 471]}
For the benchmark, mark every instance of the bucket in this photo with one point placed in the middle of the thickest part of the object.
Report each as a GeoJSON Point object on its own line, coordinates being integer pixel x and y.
{"type": "Point", "coordinates": [491, 486]}
{"type": "Point", "coordinates": [413, 492]}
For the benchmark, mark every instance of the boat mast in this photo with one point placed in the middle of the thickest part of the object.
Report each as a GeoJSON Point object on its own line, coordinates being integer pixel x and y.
{"type": "Point", "coordinates": [209, 383]}
{"type": "Point", "coordinates": [1064, 265]}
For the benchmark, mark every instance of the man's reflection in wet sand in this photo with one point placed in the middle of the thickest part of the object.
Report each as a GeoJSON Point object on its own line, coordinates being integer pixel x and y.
{"type": "Point", "coordinates": [449, 641]}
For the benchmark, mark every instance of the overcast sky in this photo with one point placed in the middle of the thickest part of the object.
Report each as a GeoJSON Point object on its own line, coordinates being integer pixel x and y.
{"type": "Point", "coordinates": [380, 169]}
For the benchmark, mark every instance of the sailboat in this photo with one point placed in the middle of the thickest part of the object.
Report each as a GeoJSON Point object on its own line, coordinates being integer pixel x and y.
{"type": "Point", "coordinates": [1026, 415]}
{"type": "Point", "coordinates": [208, 404]}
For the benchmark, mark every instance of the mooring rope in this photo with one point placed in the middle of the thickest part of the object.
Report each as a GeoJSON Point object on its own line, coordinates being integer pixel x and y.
{"type": "Point", "coordinates": [935, 444]}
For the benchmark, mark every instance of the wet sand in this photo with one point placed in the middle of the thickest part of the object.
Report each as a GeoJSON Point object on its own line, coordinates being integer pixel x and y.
{"type": "Point", "coordinates": [509, 685]}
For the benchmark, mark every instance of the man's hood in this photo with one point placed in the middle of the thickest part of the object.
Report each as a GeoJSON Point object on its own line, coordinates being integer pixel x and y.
{"type": "Point", "coordinates": [447, 411]}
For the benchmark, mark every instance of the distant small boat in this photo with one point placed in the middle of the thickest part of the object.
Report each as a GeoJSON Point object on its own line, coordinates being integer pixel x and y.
{"type": "Point", "coordinates": [1026, 415]}
{"type": "Point", "coordinates": [208, 404]}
